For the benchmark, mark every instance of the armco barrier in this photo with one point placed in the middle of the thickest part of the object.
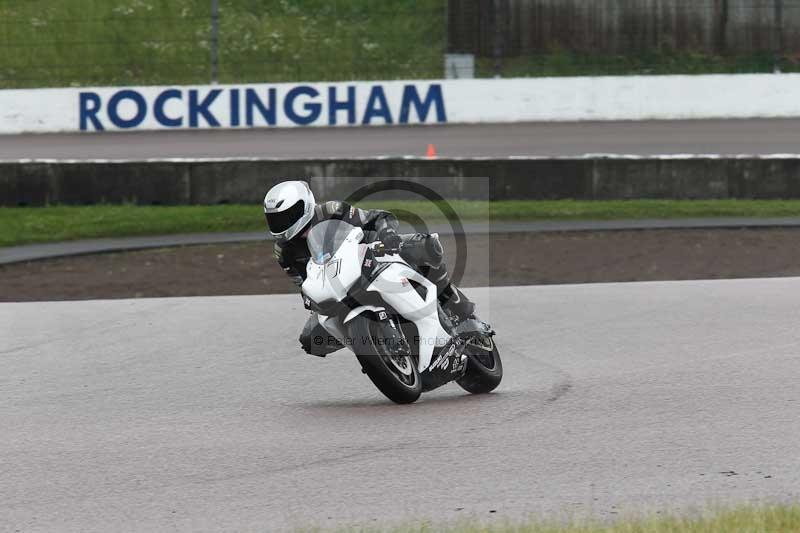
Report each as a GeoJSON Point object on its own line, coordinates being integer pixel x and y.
{"type": "Point", "coordinates": [37, 183]}
{"type": "Point", "coordinates": [380, 103]}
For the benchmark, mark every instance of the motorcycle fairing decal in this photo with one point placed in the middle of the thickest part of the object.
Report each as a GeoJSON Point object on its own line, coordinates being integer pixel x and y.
{"type": "Point", "coordinates": [377, 267]}
{"type": "Point", "coordinates": [439, 360]}
{"type": "Point", "coordinates": [333, 268]}
{"type": "Point", "coordinates": [443, 361]}
{"type": "Point", "coordinates": [444, 369]}
{"type": "Point", "coordinates": [457, 367]}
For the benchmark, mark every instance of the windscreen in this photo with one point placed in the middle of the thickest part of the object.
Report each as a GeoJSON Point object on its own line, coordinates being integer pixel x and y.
{"type": "Point", "coordinates": [326, 238]}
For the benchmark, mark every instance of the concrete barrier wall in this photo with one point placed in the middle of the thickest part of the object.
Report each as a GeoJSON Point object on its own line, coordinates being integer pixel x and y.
{"type": "Point", "coordinates": [351, 104]}
{"type": "Point", "coordinates": [246, 181]}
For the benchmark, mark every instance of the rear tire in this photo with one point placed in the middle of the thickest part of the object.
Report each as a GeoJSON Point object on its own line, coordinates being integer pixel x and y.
{"type": "Point", "coordinates": [484, 368]}
{"type": "Point", "coordinates": [396, 377]}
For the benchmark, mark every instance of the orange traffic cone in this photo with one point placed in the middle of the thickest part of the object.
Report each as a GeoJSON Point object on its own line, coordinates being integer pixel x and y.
{"type": "Point", "coordinates": [431, 151]}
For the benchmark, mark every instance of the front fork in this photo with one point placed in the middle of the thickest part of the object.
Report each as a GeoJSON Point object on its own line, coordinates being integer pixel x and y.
{"type": "Point", "coordinates": [448, 365]}
{"type": "Point", "coordinates": [399, 345]}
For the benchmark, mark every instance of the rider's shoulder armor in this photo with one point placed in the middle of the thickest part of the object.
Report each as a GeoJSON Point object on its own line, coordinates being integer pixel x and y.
{"type": "Point", "coordinates": [338, 211]}
{"type": "Point", "coordinates": [329, 210]}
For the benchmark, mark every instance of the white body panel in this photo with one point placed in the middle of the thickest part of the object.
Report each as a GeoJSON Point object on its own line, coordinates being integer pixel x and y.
{"type": "Point", "coordinates": [395, 289]}
{"type": "Point", "coordinates": [358, 310]}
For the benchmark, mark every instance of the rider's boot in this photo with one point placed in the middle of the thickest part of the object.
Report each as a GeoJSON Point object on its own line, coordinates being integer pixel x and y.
{"type": "Point", "coordinates": [456, 301]}
{"type": "Point", "coordinates": [450, 297]}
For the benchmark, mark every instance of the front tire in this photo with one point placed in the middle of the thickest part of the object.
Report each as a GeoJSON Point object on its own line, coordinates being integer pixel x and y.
{"type": "Point", "coordinates": [395, 376]}
{"type": "Point", "coordinates": [484, 367]}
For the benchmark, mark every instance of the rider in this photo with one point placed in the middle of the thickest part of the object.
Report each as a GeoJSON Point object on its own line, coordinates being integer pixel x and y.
{"type": "Point", "coordinates": [291, 211]}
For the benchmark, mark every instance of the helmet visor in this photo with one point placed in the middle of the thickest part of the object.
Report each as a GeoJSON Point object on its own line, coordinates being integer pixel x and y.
{"type": "Point", "coordinates": [283, 220]}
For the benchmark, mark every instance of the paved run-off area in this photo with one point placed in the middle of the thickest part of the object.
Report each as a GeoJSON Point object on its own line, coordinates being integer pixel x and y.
{"type": "Point", "coordinates": [201, 413]}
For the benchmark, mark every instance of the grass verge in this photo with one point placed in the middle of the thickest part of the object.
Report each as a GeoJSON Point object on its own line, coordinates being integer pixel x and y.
{"type": "Point", "coordinates": [98, 42]}
{"type": "Point", "coordinates": [744, 519]}
{"type": "Point", "coordinates": [61, 223]}
{"type": "Point", "coordinates": [144, 42]}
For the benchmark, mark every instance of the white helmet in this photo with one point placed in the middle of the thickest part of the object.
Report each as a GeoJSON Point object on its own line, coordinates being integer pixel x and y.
{"type": "Point", "coordinates": [289, 207]}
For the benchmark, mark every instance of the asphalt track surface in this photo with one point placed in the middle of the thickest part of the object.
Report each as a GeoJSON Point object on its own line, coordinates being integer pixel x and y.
{"type": "Point", "coordinates": [753, 136]}
{"type": "Point", "coordinates": [202, 414]}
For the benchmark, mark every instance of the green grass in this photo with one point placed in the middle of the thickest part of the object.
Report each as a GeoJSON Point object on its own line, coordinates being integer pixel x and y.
{"type": "Point", "coordinates": [44, 43]}
{"type": "Point", "coordinates": [52, 224]}
{"type": "Point", "coordinates": [97, 42]}
{"type": "Point", "coordinates": [745, 519]}
{"type": "Point", "coordinates": [22, 225]}
{"type": "Point", "coordinates": [631, 209]}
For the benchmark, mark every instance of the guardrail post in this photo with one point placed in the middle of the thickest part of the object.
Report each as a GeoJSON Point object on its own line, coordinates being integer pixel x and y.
{"type": "Point", "coordinates": [500, 34]}
{"type": "Point", "coordinates": [778, 36]}
{"type": "Point", "coordinates": [721, 27]}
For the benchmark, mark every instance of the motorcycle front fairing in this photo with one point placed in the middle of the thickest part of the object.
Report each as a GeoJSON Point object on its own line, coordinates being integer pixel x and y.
{"type": "Point", "coordinates": [331, 279]}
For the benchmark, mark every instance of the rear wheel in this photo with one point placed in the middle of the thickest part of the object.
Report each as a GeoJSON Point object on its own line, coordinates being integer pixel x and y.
{"type": "Point", "coordinates": [390, 368]}
{"type": "Point", "coordinates": [484, 367]}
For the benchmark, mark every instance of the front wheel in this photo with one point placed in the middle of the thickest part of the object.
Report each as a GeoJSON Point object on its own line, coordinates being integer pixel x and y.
{"type": "Point", "coordinates": [375, 345]}
{"type": "Point", "coordinates": [484, 367]}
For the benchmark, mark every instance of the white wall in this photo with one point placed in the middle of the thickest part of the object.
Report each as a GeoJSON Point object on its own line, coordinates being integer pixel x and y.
{"type": "Point", "coordinates": [406, 102]}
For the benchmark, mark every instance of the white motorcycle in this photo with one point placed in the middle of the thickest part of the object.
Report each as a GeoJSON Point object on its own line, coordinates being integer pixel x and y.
{"type": "Point", "coordinates": [379, 306]}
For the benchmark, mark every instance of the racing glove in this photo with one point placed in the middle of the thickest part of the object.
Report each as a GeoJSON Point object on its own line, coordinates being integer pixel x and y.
{"type": "Point", "coordinates": [390, 238]}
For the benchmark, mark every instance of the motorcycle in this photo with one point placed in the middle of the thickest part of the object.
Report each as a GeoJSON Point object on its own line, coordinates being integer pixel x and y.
{"type": "Point", "coordinates": [375, 303]}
